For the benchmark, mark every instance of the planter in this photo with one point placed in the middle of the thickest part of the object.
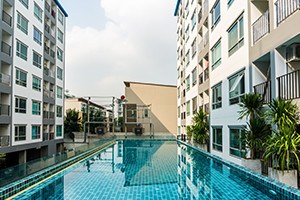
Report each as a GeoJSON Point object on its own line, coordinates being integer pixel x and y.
{"type": "Point", "coordinates": [252, 164]}
{"type": "Point", "coordinates": [286, 177]}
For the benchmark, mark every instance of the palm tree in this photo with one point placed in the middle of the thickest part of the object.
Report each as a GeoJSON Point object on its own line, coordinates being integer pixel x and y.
{"type": "Point", "coordinates": [199, 128]}
{"type": "Point", "coordinates": [251, 105]}
{"type": "Point", "coordinates": [71, 123]}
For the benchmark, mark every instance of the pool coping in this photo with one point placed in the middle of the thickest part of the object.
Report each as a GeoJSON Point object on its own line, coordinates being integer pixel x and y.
{"type": "Point", "coordinates": [272, 184]}
{"type": "Point", "coordinates": [20, 186]}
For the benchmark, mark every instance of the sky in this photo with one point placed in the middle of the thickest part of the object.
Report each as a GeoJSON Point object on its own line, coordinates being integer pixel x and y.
{"type": "Point", "coordinates": [111, 41]}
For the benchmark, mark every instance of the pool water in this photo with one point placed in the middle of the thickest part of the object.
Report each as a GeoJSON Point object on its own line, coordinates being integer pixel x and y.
{"type": "Point", "coordinates": [147, 169]}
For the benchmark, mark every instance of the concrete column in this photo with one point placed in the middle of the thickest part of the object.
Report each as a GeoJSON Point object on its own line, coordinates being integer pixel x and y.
{"type": "Point", "coordinates": [22, 157]}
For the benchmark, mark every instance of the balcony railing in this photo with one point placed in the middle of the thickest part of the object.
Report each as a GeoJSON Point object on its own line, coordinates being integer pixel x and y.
{"type": "Point", "coordinates": [261, 26]}
{"type": "Point", "coordinates": [6, 48]}
{"type": "Point", "coordinates": [47, 28]}
{"type": "Point", "coordinates": [51, 136]}
{"type": "Point", "coordinates": [45, 136]}
{"type": "Point", "coordinates": [285, 8]}
{"type": "Point", "coordinates": [47, 49]}
{"type": "Point", "coordinates": [4, 141]}
{"type": "Point", "coordinates": [6, 18]}
{"type": "Point", "coordinates": [4, 109]}
{"type": "Point", "coordinates": [265, 90]}
{"type": "Point", "coordinates": [49, 72]}
{"type": "Point", "coordinates": [4, 78]}
{"type": "Point", "coordinates": [52, 53]}
{"type": "Point", "coordinates": [289, 85]}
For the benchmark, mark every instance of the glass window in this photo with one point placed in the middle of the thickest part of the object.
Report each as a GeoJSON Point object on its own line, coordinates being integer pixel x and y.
{"type": "Point", "coordinates": [194, 48]}
{"type": "Point", "coordinates": [236, 35]}
{"type": "Point", "coordinates": [188, 83]}
{"type": "Point", "coordinates": [193, 20]}
{"type": "Point", "coordinates": [236, 88]}
{"type": "Point", "coordinates": [216, 55]}
{"type": "Point", "coordinates": [24, 2]}
{"type": "Point", "coordinates": [188, 108]}
{"type": "Point", "coordinates": [215, 14]}
{"type": "Point", "coordinates": [20, 105]}
{"type": "Point", "coordinates": [217, 96]}
{"type": "Point", "coordinates": [21, 77]}
{"type": "Point", "coordinates": [60, 36]}
{"type": "Point", "coordinates": [194, 76]}
{"type": "Point", "coordinates": [37, 36]}
{"type": "Point", "coordinates": [60, 17]}
{"type": "Point", "coordinates": [230, 2]}
{"type": "Point", "coordinates": [35, 132]}
{"type": "Point", "coordinates": [36, 108]}
{"type": "Point", "coordinates": [22, 23]}
{"type": "Point", "coordinates": [201, 78]}
{"type": "Point", "coordinates": [58, 111]}
{"type": "Point", "coordinates": [59, 92]}
{"type": "Point", "coordinates": [187, 57]}
{"type": "Point", "coordinates": [237, 147]}
{"type": "Point", "coordinates": [59, 54]}
{"type": "Point", "coordinates": [21, 50]}
{"type": "Point", "coordinates": [38, 12]}
{"type": "Point", "coordinates": [20, 132]}
{"type": "Point", "coordinates": [59, 73]}
{"type": "Point", "coordinates": [36, 83]}
{"type": "Point", "coordinates": [36, 59]}
{"type": "Point", "coordinates": [217, 139]}
{"type": "Point", "coordinates": [194, 100]}
{"type": "Point", "coordinates": [206, 74]}
{"type": "Point", "coordinates": [58, 130]}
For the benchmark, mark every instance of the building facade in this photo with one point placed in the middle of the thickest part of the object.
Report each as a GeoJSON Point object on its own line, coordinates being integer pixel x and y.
{"type": "Point", "coordinates": [253, 46]}
{"type": "Point", "coordinates": [32, 79]}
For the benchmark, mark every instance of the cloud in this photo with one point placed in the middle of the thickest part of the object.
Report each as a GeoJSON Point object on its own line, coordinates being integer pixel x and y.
{"type": "Point", "coordinates": [137, 43]}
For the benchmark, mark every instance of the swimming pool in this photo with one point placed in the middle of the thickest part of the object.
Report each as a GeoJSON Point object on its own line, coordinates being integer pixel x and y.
{"type": "Point", "coordinates": [149, 169]}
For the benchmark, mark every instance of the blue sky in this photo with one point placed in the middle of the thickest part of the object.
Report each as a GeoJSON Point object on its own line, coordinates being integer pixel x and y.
{"type": "Point", "coordinates": [109, 41]}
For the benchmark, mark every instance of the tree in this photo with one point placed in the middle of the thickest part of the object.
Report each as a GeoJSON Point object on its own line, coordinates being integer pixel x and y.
{"type": "Point", "coordinates": [200, 127]}
{"type": "Point", "coordinates": [95, 116]}
{"type": "Point", "coordinates": [71, 123]}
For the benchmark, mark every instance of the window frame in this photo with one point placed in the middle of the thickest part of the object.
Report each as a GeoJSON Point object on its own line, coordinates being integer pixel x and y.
{"type": "Point", "coordinates": [18, 136]}
{"type": "Point", "coordinates": [188, 83]}
{"type": "Point", "coordinates": [216, 61]}
{"type": "Point", "coordinates": [240, 76]}
{"type": "Point", "coordinates": [240, 35]}
{"type": "Point", "coordinates": [19, 53]}
{"type": "Point", "coordinates": [58, 89]}
{"type": "Point", "coordinates": [60, 54]}
{"type": "Point", "coordinates": [59, 114]}
{"type": "Point", "coordinates": [215, 143]}
{"type": "Point", "coordinates": [61, 131]}
{"type": "Point", "coordinates": [194, 76]}
{"type": "Point", "coordinates": [215, 19]}
{"type": "Point", "coordinates": [36, 11]}
{"type": "Point", "coordinates": [58, 74]}
{"type": "Point", "coordinates": [18, 103]}
{"type": "Point", "coordinates": [37, 35]}
{"type": "Point", "coordinates": [37, 63]}
{"type": "Point", "coordinates": [188, 108]}
{"type": "Point", "coordinates": [241, 149]}
{"type": "Point", "coordinates": [60, 36]}
{"type": "Point", "coordinates": [20, 20]}
{"type": "Point", "coordinates": [36, 104]}
{"type": "Point", "coordinates": [38, 134]}
{"type": "Point", "coordinates": [18, 77]}
{"type": "Point", "coordinates": [216, 103]}
{"type": "Point", "coordinates": [37, 87]}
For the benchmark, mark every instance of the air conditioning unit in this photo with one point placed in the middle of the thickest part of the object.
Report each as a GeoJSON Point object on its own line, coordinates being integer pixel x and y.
{"type": "Point", "coordinates": [293, 53]}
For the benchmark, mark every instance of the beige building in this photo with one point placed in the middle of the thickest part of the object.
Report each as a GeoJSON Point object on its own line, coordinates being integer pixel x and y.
{"type": "Point", "coordinates": [161, 101]}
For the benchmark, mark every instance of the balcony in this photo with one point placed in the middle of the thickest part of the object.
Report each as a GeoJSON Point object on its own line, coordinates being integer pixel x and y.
{"type": "Point", "coordinates": [52, 53]}
{"type": "Point", "coordinates": [265, 90]}
{"type": "Point", "coordinates": [206, 107]}
{"type": "Point", "coordinates": [48, 115]}
{"type": "Point", "coordinates": [45, 136]}
{"type": "Point", "coordinates": [285, 8]}
{"type": "Point", "coordinates": [6, 18]}
{"type": "Point", "coordinates": [4, 109]}
{"type": "Point", "coordinates": [49, 93]}
{"type": "Point", "coordinates": [261, 26]}
{"type": "Point", "coordinates": [6, 48]}
{"type": "Point", "coordinates": [5, 79]}
{"type": "Point", "coordinates": [47, 28]}
{"type": "Point", "coordinates": [4, 141]}
{"type": "Point", "coordinates": [289, 85]}
{"type": "Point", "coordinates": [47, 49]}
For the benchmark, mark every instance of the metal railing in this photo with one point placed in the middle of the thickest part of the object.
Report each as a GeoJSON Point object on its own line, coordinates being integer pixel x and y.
{"type": "Point", "coordinates": [49, 72]}
{"type": "Point", "coordinates": [6, 18]}
{"type": "Point", "coordinates": [285, 8]}
{"type": "Point", "coordinates": [4, 109]}
{"type": "Point", "coordinates": [47, 49]}
{"type": "Point", "coordinates": [47, 28]}
{"type": "Point", "coordinates": [52, 53]}
{"type": "Point", "coordinates": [5, 48]}
{"type": "Point", "coordinates": [4, 141]}
{"type": "Point", "coordinates": [289, 85]}
{"type": "Point", "coordinates": [261, 26]}
{"type": "Point", "coordinates": [5, 78]}
{"type": "Point", "coordinates": [265, 90]}
{"type": "Point", "coordinates": [45, 136]}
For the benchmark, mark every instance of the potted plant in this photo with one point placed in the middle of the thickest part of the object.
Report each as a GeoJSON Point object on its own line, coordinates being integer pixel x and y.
{"type": "Point", "coordinates": [255, 132]}
{"type": "Point", "coordinates": [283, 146]}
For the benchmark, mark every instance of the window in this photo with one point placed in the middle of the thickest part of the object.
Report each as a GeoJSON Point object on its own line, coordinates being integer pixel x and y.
{"type": "Point", "coordinates": [188, 108]}
{"type": "Point", "coordinates": [37, 36]}
{"type": "Point", "coordinates": [236, 88]}
{"type": "Point", "coordinates": [237, 147]}
{"type": "Point", "coordinates": [217, 139]}
{"type": "Point", "coordinates": [20, 105]}
{"type": "Point", "coordinates": [58, 130]}
{"type": "Point", "coordinates": [201, 78]}
{"type": "Point", "coordinates": [194, 49]}
{"type": "Point", "coordinates": [36, 59]}
{"type": "Point", "coordinates": [236, 35]}
{"type": "Point", "coordinates": [194, 100]}
{"type": "Point", "coordinates": [187, 33]}
{"type": "Point", "coordinates": [193, 20]}
{"type": "Point", "coordinates": [36, 83]}
{"type": "Point", "coordinates": [59, 54]}
{"type": "Point", "coordinates": [38, 12]}
{"type": "Point", "coordinates": [36, 108]}
{"type": "Point", "coordinates": [58, 111]}
{"type": "Point", "coordinates": [216, 55]}
{"type": "Point", "coordinates": [20, 132]}
{"type": "Point", "coordinates": [206, 74]}
{"type": "Point", "coordinates": [24, 2]}
{"type": "Point", "coordinates": [59, 92]}
{"type": "Point", "coordinates": [217, 96]}
{"type": "Point", "coordinates": [21, 50]}
{"type": "Point", "coordinates": [187, 57]}
{"type": "Point", "coordinates": [22, 23]}
{"type": "Point", "coordinates": [21, 77]}
{"type": "Point", "coordinates": [215, 14]}
{"type": "Point", "coordinates": [35, 132]}
{"type": "Point", "coordinates": [194, 76]}
{"type": "Point", "coordinates": [230, 2]}
{"type": "Point", "coordinates": [60, 17]}
{"type": "Point", "coordinates": [59, 73]}
{"type": "Point", "coordinates": [188, 84]}
{"type": "Point", "coordinates": [60, 36]}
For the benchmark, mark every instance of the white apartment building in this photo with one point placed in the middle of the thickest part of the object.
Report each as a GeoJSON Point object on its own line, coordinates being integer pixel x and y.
{"type": "Point", "coordinates": [32, 66]}
{"type": "Point", "coordinates": [254, 46]}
